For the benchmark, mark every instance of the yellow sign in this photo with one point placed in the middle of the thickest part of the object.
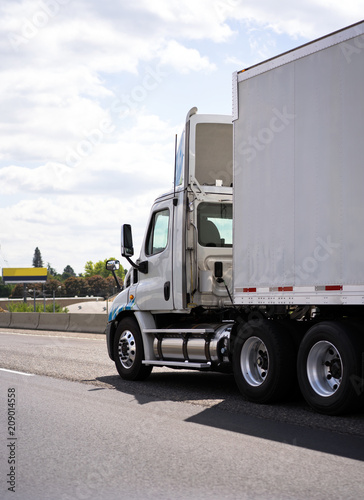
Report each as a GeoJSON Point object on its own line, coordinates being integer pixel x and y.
{"type": "Point", "coordinates": [24, 274]}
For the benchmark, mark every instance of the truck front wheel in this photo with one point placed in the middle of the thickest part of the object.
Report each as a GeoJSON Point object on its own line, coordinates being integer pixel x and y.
{"type": "Point", "coordinates": [129, 351]}
{"type": "Point", "coordinates": [329, 368]}
{"type": "Point", "coordinates": [264, 361]}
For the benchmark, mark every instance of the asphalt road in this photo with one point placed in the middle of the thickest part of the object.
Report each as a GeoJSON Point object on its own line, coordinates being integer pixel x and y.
{"type": "Point", "coordinates": [83, 433]}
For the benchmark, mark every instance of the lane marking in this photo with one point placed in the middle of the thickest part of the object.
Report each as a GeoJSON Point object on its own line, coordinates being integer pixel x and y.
{"type": "Point", "coordinates": [18, 373]}
{"type": "Point", "coordinates": [51, 336]}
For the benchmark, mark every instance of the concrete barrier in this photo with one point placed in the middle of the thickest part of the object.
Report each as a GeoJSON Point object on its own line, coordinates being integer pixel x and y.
{"type": "Point", "coordinates": [62, 301]}
{"type": "Point", "coordinates": [53, 321]}
{"type": "Point", "coordinates": [88, 323]}
{"type": "Point", "coordinates": [24, 320]}
{"type": "Point", "coordinates": [73, 322]}
{"type": "Point", "coordinates": [5, 319]}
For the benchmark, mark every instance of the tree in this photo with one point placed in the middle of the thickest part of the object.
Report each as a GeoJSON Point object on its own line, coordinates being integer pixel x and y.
{"type": "Point", "coordinates": [73, 286]}
{"type": "Point", "coordinates": [111, 286]}
{"type": "Point", "coordinates": [37, 259]}
{"type": "Point", "coordinates": [98, 286]}
{"type": "Point", "coordinates": [5, 290]}
{"type": "Point", "coordinates": [54, 285]}
{"type": "Point", "coordinates": [68, 272]}
{"type": "Point", "coordinates": [51, 270]}
{"type": "Point", "coordinates": [99, 268]}
{"type": "Point", "coordinates": [89, 269]}
{"type": "Point", "coordinates": [18, 290]}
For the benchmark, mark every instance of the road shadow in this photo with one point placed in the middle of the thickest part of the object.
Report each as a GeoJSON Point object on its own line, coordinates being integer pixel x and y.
{"type": "Point", "coordinates": [302, 436]}
{"type": "Point", "coordinates": [177, 385]}
{"type": "Point", "coordinates": [291, 422]}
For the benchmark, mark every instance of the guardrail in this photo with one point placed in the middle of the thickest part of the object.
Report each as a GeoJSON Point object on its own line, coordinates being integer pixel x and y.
{"type": "Point", "coordinates": [65, 322]}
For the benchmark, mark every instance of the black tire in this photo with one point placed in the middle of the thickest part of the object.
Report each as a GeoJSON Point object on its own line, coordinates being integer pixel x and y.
{"type": "Point", "coordinates": [329, 368]}
{"type": "Point", "coordinates": [129, 351]}
{"type": "Point", "coordinates": [264, 362]}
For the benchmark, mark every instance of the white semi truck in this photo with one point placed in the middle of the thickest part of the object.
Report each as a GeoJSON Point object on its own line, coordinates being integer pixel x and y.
{"type": "Point", "coordinates": [254, 262]}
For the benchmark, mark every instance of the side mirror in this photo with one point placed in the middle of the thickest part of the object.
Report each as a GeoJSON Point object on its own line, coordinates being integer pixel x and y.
{"type": "Point", "coordinates": [127, 249]}
{"type": "Point", "coordinates": [112, 265]}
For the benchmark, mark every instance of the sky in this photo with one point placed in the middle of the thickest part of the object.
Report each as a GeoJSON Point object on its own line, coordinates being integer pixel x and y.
{"type": "Point", "coordinates": [93, 93]}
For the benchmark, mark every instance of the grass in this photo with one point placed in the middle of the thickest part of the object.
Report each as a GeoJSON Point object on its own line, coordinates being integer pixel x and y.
{"type": "Point", "coordinates": [26, 307]}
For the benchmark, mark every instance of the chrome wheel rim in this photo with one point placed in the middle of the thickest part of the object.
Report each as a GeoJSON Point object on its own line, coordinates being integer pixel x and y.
{"type": "Point", "coordinates": [254, 361]}
{"type": "Point", "coordinates": [324, 368]}
{"type": "Point", "coordinates": [127, 349]}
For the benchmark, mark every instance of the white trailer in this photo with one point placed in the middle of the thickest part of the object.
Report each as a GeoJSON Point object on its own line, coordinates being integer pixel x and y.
{"type": "Point", "coordinates": [254, 263]}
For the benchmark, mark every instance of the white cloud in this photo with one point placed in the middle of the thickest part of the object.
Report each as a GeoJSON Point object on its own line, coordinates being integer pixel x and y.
{"type": "Point", "coordinates": [234, 61]}
{"type": "Point", "coordinates": [116, 184]}
{"type": "Point", "coordinates": [49, 178]}
{"type": "Point", "coordinates": [56, 87]}
{"type": "Point", "coordinates": [184, 60]}
{"type": "Point", "coordinates": [203, 19]}
{"type": "Point", "coordinates": [305, 18]}
{"type": "Point", "coordinates": [38, 129]}
{"type": "Point", "coordinates": [144, 149]}
{"type": "Point", "coordinates": [262, 43]}
{"type": "Point", "coordinates": [69, 229]}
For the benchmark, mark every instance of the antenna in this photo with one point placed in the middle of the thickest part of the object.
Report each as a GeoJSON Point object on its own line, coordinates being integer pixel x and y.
{"type": "Point", "coordinates": [175, 165]}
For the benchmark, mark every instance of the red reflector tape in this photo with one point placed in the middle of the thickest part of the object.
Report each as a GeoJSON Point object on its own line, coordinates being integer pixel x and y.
{"type": "Point", "coordinates": [333, 288]}
{"type": "Point", "coordinates": [285, 289]}
{"type": "Point", "coordinates": [248, 290]}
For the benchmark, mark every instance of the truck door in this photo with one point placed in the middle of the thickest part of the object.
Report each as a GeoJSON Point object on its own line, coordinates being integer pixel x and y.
{"type": "Point", "coordinates": [155, 289]}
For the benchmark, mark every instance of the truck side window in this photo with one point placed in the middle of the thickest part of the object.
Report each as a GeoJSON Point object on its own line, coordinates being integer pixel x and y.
{"type": "Point", "coordinates": [128, 281]}
{"type": "Point", "coordinates": [215, 224]}
{"type": "Point", "coordinates": [158, 232]}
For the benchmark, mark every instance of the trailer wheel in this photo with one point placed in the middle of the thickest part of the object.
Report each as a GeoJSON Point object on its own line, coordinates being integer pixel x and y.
{"type": "Point", "coordinates": [264, 361]}
{"type": "Point", "coordinates": [329, 368]}
{"type": "Point", "coordinates": [129, 351]}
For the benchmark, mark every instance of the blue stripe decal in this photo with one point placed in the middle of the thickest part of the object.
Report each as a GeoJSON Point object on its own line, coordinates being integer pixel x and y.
{"type": "Point", "coordinates": [124, 307]}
